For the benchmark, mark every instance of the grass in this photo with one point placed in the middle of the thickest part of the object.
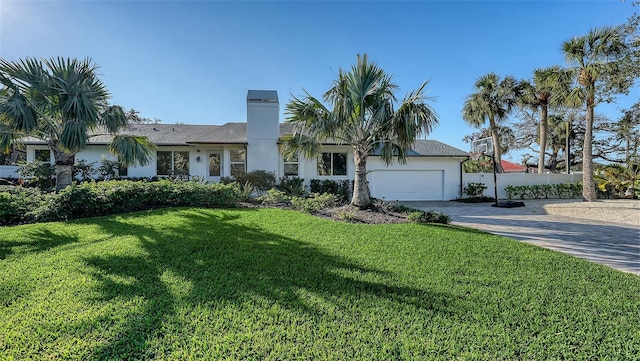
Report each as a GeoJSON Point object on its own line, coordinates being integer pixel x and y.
{"type": "Point", "coordinates": [195, 283]}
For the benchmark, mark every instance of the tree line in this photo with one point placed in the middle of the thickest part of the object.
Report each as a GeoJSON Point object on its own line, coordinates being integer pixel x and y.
{"type": "Point", "coordinates": [556, 107]}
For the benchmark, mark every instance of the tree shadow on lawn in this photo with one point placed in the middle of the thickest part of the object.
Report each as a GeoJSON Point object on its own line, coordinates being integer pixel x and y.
{"type": "Point", "coordinates": [227, 262]}
{"type": "Point", "coordinates": [40, 240]}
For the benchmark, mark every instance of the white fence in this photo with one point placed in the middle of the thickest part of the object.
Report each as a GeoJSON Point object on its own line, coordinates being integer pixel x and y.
{"type": "Point", "coordinates": [9, 171]}
{"type": "Point", "coordinates": [517, 179]}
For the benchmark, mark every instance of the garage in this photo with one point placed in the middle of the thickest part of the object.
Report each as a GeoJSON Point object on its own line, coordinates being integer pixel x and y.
{"type": "Point", "coordinates": [407, 185]}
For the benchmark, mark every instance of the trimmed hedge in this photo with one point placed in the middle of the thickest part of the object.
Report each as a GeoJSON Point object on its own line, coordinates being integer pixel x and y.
{"type": "Point", "coordinates": [111, 197]}
{"type": "Point", "coordinates": [545, 191]}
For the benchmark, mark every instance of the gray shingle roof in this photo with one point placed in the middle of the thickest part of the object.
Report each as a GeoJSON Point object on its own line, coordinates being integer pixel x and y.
{"type": "Point", "coordinates": [236, 133]}
{"type": "Point", "coordinates": [434, 148]}
{"type": "Point", "coordinates": [160, 134]}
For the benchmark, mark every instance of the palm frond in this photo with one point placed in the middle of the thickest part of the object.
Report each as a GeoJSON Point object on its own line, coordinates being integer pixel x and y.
{"type": "Point", "coordinates": [74, 135]}
{"type": "Point", "coordinates": [132, 149]}
{"type": "Point", "coordinates": [18, 112]}
{"type": "Point", "coordinates": [113, 119]}
{"type": "Point", "coordinates": [300, 144]}
{"type": "Point", "coordinates": [8, 138]}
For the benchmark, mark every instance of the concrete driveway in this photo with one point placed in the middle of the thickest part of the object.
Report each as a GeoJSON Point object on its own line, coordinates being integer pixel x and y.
{"type": "Point", "coordinates": [612, 238]}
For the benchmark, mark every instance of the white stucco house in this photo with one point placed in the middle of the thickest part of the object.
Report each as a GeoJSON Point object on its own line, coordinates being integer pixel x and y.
{"type": "Point", "coordinates": [432, 172]}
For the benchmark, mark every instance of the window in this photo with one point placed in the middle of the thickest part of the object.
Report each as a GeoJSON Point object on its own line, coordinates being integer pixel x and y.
{"type": "Point", "coordinates": [172, 163]}
{"type": "Point", "coordinates": [238, 162]}
{"type": "Point", "coordinates": [332, 164]}
{"type": "Point", "coordinates": [214, 165]}
{"type": "Point", "coordinates": [291, 165]}
{"type": "Point", "coordinates": [123, 170]}
{"type": "Point", "coordinates": [42, 155]}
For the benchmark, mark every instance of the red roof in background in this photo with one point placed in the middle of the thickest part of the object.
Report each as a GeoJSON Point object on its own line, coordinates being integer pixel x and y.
{"type": "Point", "coordinates": [512, 167]}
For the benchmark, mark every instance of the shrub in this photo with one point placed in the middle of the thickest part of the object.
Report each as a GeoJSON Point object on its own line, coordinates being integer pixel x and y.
{"type": "Point", "coordinates": [292, 186]}
{"type": "Point", "coordinates": [349, 216]}
{"type": "Point", "coordinates": [339, 188]}
{"type": "Point", "coordinates": [17, 204]}
{"type": "Point", "coordinates": [428, 217]}
{"type": "Point", "coordinates": [274, 196]}
{"type": "Point", "coordinates": [260, 179]}
{"type": "Point", "coordinates": [83, 171]}
{"type": "Point", "coordinates": [545, 191]}
{"type": "Point", "coordinates": [108, 169]}
{"type": "Point", "coordinates": [245, 190]}
{"type": "Point", "coordinates": [8, 211]}
{"type": "Point", "coordinates": [315, 202]}
{"type": "Point", "coordinates": [110, 197]}
{"type": "Point", "coordinates": [39, 174]}
{"type": "Point", "coordinates": [474, 190]}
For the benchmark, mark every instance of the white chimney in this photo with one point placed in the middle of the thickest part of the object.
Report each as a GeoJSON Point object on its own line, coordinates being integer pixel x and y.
{"type": "Point", "coordinates": [263, 128]}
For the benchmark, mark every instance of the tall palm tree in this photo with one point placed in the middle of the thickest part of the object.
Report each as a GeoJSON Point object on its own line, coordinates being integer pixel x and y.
{"type": "Point", "coordinates": [594, 63]}
{"type": "Point", "coordinates": [364, 116]}
{"type": "Point", "coordinates": [547, 90]}
{"type": "Point", "coordinates": [63, 103]}
{"type": "Point", "coordinates": [492, 100]}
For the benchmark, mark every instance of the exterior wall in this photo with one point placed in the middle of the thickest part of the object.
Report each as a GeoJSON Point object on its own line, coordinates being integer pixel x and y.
{"type": "Point", "coordinates": [517, 179]}
{"type": "Point", "coordinates": [9, 171]}
{"type": "Point", "coordinates": [198, 159]}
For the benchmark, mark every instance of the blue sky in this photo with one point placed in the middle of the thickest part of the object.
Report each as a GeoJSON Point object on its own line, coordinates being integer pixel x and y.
{"type": "Point", "coordinates": [193, 61]}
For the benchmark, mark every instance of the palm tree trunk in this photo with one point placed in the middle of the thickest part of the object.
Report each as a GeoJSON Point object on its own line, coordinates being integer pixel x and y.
{"type": "Point", "coordinates": [497, 151]}
{"type": "Point", "coordinates": [543, 137]}
{"type": "Point", "coordinates": [360, 189]}
{"type": "Point", "coordinates": [553, 160]}
{"type": "Point", "coordinates": [588, 183]}
{"type": "Point", "coordinates": [64, 168]}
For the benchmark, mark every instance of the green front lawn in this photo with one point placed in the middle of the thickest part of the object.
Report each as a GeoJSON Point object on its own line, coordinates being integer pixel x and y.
{"type": "Point", "coordinates": [197, 283]}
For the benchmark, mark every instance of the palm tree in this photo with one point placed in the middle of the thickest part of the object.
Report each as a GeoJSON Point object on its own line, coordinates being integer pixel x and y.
{"type": "Point", "coordinates": [492, 100]}
{"type": "Point", "coordinates": [362, 116]}
{"type": "Point", "coordinates": [594, 61]}
{"type": "Point", "coordinates": [63, 103]}
{"type": "Point", "coordinates": [547, 90]}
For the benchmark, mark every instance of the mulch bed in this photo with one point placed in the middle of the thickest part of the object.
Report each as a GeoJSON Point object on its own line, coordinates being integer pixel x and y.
{"type": "Point", "coordinates": [347, 213]}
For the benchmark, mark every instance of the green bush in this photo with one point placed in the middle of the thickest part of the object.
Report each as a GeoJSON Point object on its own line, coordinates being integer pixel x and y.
{"type": "Point", "coordinates": [108, 169]}
{"type": "Point", "coordinates": [315, 202]}
{"type": "Point", "coordinates": [544, 191]}
{"type": "Point", "coordinates": [474, 190]}
{"type": "Point", "coordinates": [17, 204]}
{"type": "Point", "coordinates": [261, 180]}
{"type": "Point", "coordinates": [90, 199]}
{"type": "Point", "coordinates": [292, 186]}
{"type": "Point", "coordinates": [83, 171]}
{"type": "Point", "coordinates": [38, 174]}
{"type": "Point", "coordinates": [274, 196]}
{"type": "Point", "coordinates": [428, 217]}
{"type": "Point", "coordinates": [339, 188]}
{"type": "Point", "coordinates": [8, 211]}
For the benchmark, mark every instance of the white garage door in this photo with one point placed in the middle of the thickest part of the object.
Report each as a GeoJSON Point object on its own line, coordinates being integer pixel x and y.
{"type": "Point", "coordinates": [407, 185]}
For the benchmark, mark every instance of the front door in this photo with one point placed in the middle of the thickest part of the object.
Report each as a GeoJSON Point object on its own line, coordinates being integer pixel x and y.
{"type": "Point", "coordinates": [215, 166]}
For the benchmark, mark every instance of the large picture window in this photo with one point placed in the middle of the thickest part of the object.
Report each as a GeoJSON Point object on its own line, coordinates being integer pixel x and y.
{"type": "Point", "coordinates": [172, 163]}
{"type": "Point", "coordinates": [42, 155]}
{"type": "Point", "coordinates": [291, 166]}
{"type": "Point", "coordinates": [332, 164]}
{"type": "Point", "coordinates": [238, 162]}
